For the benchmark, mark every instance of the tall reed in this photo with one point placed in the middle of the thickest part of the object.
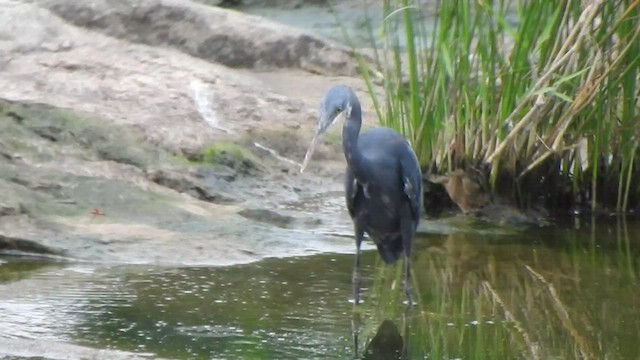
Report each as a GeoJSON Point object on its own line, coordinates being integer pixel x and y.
{"type": "Point", "coordinates": [540, 97]}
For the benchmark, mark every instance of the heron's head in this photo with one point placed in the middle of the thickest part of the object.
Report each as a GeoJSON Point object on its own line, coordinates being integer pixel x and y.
{"type": "Point", "coordinates": [335, 102]}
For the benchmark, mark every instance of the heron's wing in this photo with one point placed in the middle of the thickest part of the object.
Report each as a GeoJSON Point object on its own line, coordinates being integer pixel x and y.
{"type": "Point", "coordinates": [353, 190]}
{"type": "Point", "coordinates": [412, 184]}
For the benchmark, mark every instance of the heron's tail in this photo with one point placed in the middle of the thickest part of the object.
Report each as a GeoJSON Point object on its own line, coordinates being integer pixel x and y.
{"type": "Point", "coordinates": [390, 253]}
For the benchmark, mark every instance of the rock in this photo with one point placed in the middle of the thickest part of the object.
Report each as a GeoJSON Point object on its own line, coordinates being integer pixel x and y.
{"type": "Point", "coordinates": [508, 215]}
{"type": "Point", "coordinates": [4, 153]}
{"type": "Point", "coordinates": [185, 183]}
{"type": "Point", "coordinates": [145, 89]}
{"type": "Point", "coordinates": [229, 3]}
{"type": "Point", "coordinates": [233, 156]}
{"type": "Point", "coordinates": [12, 245]}
{"type": "Point", "coordinates": [12, 202]}
{"type": "Point", "coordinates": [13, 208]}
{"type": "Point", "coordinates": [267, 216]}
{"type": "Point", "coordinates": [96, 132]}
{"type": "Point", "coordinates": [220, 35]}
{"type": "Point", "coordinates": [37, 184]}
{"type": "Point", "coordinates": [48, 132]}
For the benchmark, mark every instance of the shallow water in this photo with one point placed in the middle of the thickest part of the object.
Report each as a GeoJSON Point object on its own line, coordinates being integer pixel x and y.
{"type": "Point", "coordinates": [547, 293]}
{"type": "Point", "coordinates": [276, 308]}
{"type": "Point", "coordinates": [357, 23]}
{"type": "Point", "coordinates": [345, 17]}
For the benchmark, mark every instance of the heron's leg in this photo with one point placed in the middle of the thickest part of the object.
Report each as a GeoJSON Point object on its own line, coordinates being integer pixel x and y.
{"type": "Point", "coordinates": [407, 277]}
{"type": "Point", "coordinates": [355, 278]}
{"type": "Point", "coordinates": [407, 230]}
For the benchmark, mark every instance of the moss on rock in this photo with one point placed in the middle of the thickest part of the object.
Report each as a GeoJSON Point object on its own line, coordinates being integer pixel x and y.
{"type": "Point", "coordinates": [231, 155]}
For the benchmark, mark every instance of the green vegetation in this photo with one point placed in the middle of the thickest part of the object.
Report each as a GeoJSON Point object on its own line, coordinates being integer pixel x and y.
{"type": "Point", "coordinates": [230, 154]}
{"type": "Point", "coordinates": [538, 97]}
{"type": "Point", "coordinates": [33, 124]}
{"type": "Point", "coordinates": [46, 149]}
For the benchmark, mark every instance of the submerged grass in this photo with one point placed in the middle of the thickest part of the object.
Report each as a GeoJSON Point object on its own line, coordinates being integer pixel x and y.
{"type": "Point", "coordinates": [497, 300]}
{"type": "Point", "coordinates": [540, 97]}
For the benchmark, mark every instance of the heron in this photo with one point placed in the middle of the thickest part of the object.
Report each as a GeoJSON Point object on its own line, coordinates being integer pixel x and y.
{"type": "Point", "coordinates": [383, 183]}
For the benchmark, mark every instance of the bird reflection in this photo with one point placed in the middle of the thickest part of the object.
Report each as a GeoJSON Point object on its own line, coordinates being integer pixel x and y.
{"type": "Point", "coordinates": [387, 343]}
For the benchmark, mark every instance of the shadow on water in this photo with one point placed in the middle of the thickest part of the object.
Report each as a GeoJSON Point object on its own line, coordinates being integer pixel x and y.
{"type": "Point", "coordinates": [546, 293]}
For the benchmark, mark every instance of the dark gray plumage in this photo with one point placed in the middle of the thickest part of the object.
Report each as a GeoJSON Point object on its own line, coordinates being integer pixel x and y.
{"type": "Point", "coordinates": [383, 182]}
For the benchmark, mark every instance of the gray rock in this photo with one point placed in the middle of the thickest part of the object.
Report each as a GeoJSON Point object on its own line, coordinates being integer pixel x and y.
{"type": "Point", "coordinates": [185, 183]}
{"type": "Point", "coordinates": [219, 35]}
{"type": "Point", "coordinates": [267, 216]}
{"type": "Point", "coordinates": [96, 133]}
{"type": "Point", "coordinates": [12, 245]}
{"type": "Point", "coordinates": [11, 208]}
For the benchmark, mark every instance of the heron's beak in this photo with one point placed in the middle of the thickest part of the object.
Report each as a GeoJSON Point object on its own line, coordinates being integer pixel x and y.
{"type": "Point", "coordinates": [312, 147]}
{"type": "Point", "coordinates": [324, 123]}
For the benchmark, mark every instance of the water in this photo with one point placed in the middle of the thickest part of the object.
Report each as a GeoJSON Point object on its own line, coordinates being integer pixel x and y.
{"type": "Point", "coordinates": [354, 18]}
{"type": "Point", "coordinates": [277, 308]}
{"type": "Point", "coordinates": [548, 293]}
{"type": "Point", "coordinates": [357, 23]}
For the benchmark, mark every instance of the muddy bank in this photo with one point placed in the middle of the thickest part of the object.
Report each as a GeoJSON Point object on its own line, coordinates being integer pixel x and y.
{"type": "Point", "coordinates": [119, 143]}
{"type": "Point", "coordinates": [77, 186]}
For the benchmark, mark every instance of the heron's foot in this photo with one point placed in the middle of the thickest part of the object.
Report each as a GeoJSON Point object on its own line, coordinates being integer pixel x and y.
{"type": "Point", "coordinates": [408, 291]}
{"type": "Point", "coordinates": [356, 294]}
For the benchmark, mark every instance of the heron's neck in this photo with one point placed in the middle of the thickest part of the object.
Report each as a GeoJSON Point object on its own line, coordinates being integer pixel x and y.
{"type": "Point", "coordinates": [350, 132]}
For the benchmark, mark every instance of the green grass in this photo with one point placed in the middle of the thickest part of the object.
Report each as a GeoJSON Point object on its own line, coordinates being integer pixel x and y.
{"type": "Point", "coordinates": [229, 154]}
{"type": "Point", "coordinates": [539, 96]}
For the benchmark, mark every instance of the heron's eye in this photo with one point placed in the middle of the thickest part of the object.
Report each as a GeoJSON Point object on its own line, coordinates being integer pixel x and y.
{"type": "Point", "coordinates": [338, 110]}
